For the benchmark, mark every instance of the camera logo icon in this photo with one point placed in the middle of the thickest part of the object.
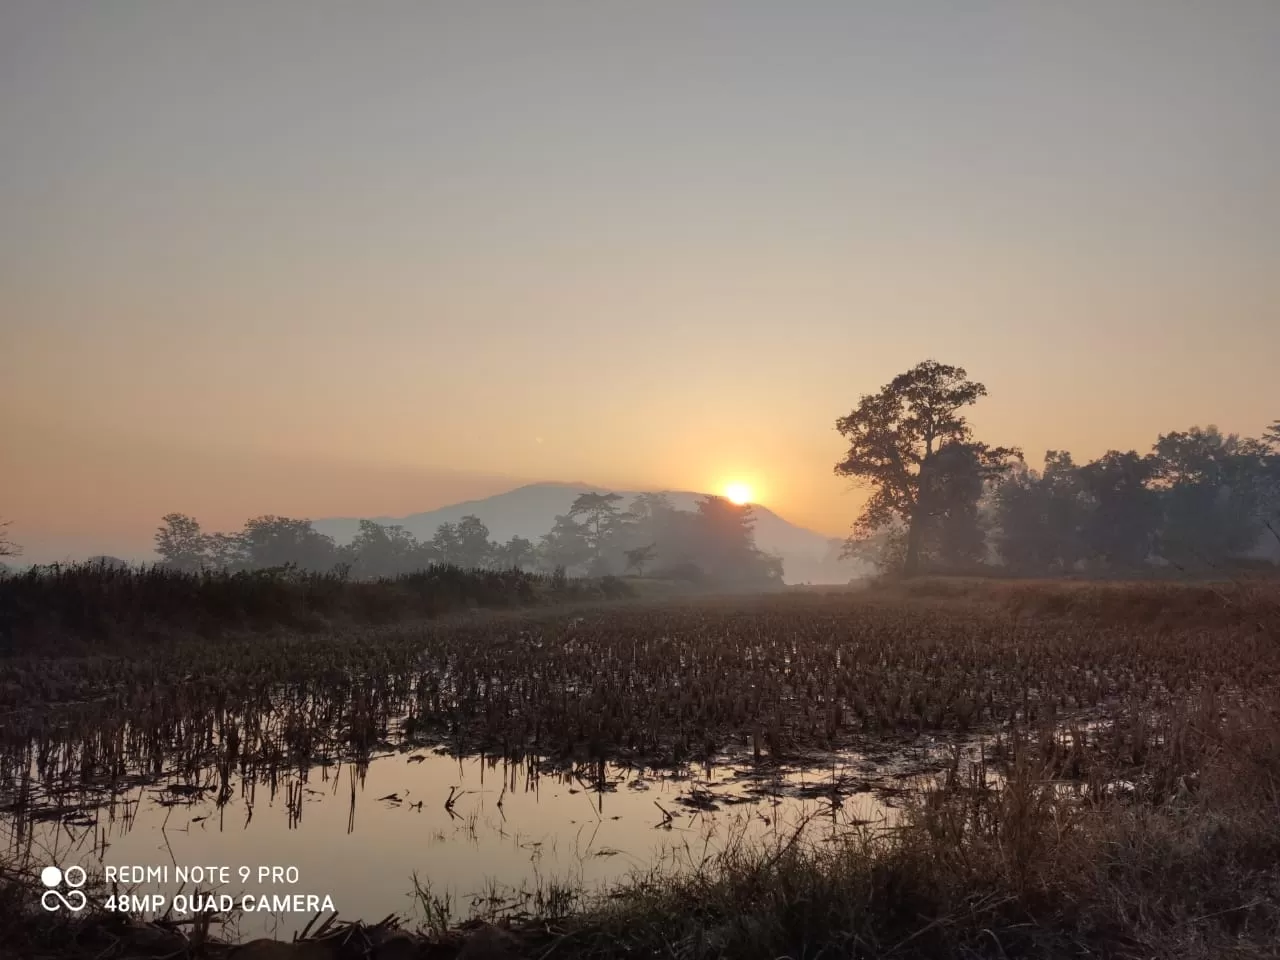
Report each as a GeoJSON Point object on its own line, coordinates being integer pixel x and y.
{"type": "Point", "coordinates": [53, 899]}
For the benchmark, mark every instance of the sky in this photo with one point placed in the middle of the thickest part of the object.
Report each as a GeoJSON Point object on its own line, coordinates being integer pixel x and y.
{"type": "Point", "coordinates": [318, 258]}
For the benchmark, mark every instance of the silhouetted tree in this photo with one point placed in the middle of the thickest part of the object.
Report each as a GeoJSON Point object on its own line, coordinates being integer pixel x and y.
{"type": "Point", "coordinates": [885, 548]}
{"type": "Point", "coordinates": [1124, 515]}
{"type": "Point", "coordinates": [473, 542]}
{"type": "Point", "coordinates": [600, 511]}
{"type": "Point", "coordinates": [1270, 486]}
{"type": "Point", "coordinates": [895, 434]}
{"type": "Point", "coordinates": [1271, 437]}
{"type": "Point", "coordinates": [517, 553]}
{"type": "Point", "coordinates": [1040, 517]}
{"type": "Point", "coordinates": [271, 541]}
{"type": "Point", "coordinates": [7, 547]}
{"type": "Point", "coordinates": [565, 545]}
{"type": "Point", "coordinates": [637, 557]}
{"type": "Point", "coordinates": [727, 539]}
{"type": "Point", "coordinates": [678, 535]}
{"type": "Point", "coordinates": [1212, 492]}
{"type": "Point", "coordinates": [181, 544]}
{"type": "Point", "coordinates": [952, 485]}
{"type": "Point", "coordinates": [225, 551]}
{"type": "Point", "coordinates": [647, 508]}
{"type": "Point", "coordinates": [379, 551]}
{"type": "Point", "coordinates": [725, 545]}
{"type": "Point", "coordinates": [446, 545]}
{"type": "Point", "coordinates": [645, 522]}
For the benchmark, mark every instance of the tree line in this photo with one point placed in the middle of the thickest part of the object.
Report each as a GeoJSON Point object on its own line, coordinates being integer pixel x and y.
{"type": "Point", "coordinates": [942, 500]}
{"type": "Point", "coordinates": [597, 537]}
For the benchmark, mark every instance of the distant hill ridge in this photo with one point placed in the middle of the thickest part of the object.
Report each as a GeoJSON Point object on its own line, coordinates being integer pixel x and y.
{"type": "Point", "coordinates": [529, 511]}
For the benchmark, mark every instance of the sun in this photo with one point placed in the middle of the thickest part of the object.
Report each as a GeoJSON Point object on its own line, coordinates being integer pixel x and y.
{"type": "Point", "coordinates": [738, 493]}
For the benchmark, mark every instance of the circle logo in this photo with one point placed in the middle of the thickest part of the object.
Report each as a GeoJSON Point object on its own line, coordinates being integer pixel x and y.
{"type": "Point", "coordinates": [53, 899]}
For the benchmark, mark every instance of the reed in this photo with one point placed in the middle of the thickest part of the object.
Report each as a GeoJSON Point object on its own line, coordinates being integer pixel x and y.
{"type": "Point", "coordinates": [1125, 800]}
{"type": "Point", "coordinates": [88, 607]}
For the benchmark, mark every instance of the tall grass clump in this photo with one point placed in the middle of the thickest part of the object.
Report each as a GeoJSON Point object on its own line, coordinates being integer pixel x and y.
{"type": "Point", "coordinates": [1020, 865]}
{"type": "Point", "coordinates": [89, 605]}
{"type": "Point", "coordinates": [1111, 784]}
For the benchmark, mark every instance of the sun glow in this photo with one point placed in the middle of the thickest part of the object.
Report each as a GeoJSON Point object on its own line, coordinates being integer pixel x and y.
{"type": "Point", "coordinates": [738, 493]}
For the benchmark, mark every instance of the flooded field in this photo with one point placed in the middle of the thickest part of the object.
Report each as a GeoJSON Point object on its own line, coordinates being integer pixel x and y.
{"type": "Point", "coordinates": [416, 831]}
{"type": "Point", "coordinates": [504, 766]}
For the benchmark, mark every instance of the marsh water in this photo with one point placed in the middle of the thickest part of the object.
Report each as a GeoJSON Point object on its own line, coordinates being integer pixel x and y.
{"type": "Point", "coordinates": [366, 792]}
{"type": "Point", "coordinates": [479, 836]}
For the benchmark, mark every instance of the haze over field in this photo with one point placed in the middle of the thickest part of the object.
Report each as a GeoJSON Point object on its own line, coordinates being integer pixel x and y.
{"type": "Point", "coordinates": [683, 478]}
{"type": "Point", "coordinates": [326, 260]}
{"type": "Point", "coordinates": [530, 511]}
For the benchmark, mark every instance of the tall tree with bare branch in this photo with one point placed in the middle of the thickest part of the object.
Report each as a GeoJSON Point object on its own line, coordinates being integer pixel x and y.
{"type": "Point", "coordinates": [897, 438]}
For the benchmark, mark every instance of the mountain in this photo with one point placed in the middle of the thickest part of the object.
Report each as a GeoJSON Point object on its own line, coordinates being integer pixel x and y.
{"type": "Point", "coordinates": [529, 511]}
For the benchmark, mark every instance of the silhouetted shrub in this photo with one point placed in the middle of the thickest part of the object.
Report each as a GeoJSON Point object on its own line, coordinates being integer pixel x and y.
{"type": "Point", "coordinates": [93, 601]}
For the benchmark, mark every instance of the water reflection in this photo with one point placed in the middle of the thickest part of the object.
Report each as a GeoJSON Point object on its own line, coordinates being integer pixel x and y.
{"type": "Point", "coordinates": [346, 781]}
{"type": "Point", "coordinates": [476, 832]}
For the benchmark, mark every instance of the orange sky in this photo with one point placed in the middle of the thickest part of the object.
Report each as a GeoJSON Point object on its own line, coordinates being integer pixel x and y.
{"type": "Point", "coordinates": [315, 259]}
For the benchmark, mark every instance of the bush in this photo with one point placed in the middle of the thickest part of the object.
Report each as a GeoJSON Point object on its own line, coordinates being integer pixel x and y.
{"type": "Point", "coordinates": [93, 602]}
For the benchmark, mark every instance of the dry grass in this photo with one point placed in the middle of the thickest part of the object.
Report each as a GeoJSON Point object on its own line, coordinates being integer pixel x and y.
{"type": "Point", "coordinates": [1128, 805]}
{"type": "Point", "coordinates": [1016, 867]}
{"type": "Point", "coordinates": [90, 607]}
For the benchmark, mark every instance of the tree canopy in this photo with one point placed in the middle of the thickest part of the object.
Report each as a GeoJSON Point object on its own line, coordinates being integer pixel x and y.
{"type": "Point", "coordinates": [595, 537]}
{"type": "Point", "coordinates": [911, 444]}
{"type": "Point", "coordinates": [1199, 499]}
{"type": "Point", "coordinates": [942, 499]}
